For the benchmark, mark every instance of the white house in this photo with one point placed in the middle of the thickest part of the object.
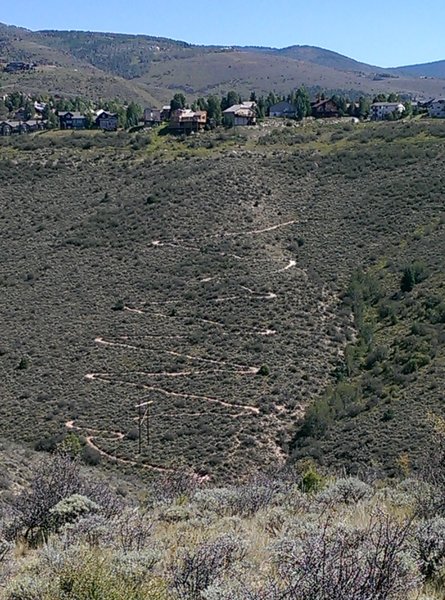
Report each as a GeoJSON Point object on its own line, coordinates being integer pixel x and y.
{"type": "Point", "coordinates": [436, 108]}
{"type": "Point", "coordinates": [380, 110]}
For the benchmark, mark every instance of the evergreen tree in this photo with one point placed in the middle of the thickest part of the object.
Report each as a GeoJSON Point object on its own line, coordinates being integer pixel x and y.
{"type": "Point", "coordinates": [231, 99]}
{"type": "Point", "coordinates": [202, 104]}
{"type": "Point", "coordinates": [178, 101]}
{"type": "Point", "coordinates": [364, 106]}
{"type": "Point", "coordinates": [302, 103]}
{"type": "Point", "coordinates": [133, 114]}
{"type": "Point", "coordinates": [214, 111]}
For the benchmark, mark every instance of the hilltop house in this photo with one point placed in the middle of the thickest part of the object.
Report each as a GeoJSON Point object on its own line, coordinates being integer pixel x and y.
{"type": "Point", "coordinates": [325, 108]}
{"type": "Point", "coordinates": [72, 120]}
{"type": "Point", "coordinates": [240, 114]}
{"type": "Point", "coordinates": [155, 116]}
{"type": "Point", "coordinates": [436, 108]}
{"type": "Point", "coordinates": [187, 120]}
{"type": "Point", "coordinates": [17, 66]}
{"type": "Point", "coordinates": [106, 120]}
{"type": "Point", "coordinates": [283, 109]}
{"type": "Point", "coordinates": [16, 127]}
{"type": "Point", "coordinates": [381, 110]}
{"type": "Point", "coordinates": [152, 116]}
{"type": "Point", "coordinates": [10, 127]}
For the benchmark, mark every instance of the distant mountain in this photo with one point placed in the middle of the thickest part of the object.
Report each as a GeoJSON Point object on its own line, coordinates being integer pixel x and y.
{"type": "Point", "coordinates": [152, 69]}
{"type": "Point", "coordinates": [432, 69]}
{"type": "Point", "coordinates": [327, 58]}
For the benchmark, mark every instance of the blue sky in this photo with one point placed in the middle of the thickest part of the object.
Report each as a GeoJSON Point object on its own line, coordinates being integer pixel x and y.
{"type": "Point", "coordinates": [384, 33]}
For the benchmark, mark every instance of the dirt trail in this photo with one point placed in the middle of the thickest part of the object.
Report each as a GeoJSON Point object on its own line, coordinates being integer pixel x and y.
{"type": "Point", "coordinates": [90, 441]}
{"type": "Point", "coordinates": [260, 231]}
{"type": "Point", "coordinates": [100, 377]}
{"type": "Point", "coordinates": [245, 328]}
{"type": "Point", "coordinates": [231, 367]}
{"type": "Point", "coordinates": [214, 366]}
{"type": "Point", "coordinates": [180, 243]}
{"type": "Point", "coordinates": [292, 263]}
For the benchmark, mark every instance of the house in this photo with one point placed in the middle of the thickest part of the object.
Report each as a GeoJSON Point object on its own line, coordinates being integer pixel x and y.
{"type": "Point", "coordinates": [21, 114]}
{"type": "Point", "coordinates": [5, 128]}
{"type": "Point", "coordinates": [240, 114]}
{"type": "Point", "coordinates": [11, 127]}
{"type": "Point", "coordinates": [382, 110]}
{"type": "Point", "coordinates": [325, 109]}
{"type": "Point", "coordinates": [283, 109]}
{"type": "Point", "coordinates": [106, 120]}
{"type": "Point", "coordinates": [17, 66]}
{"type": "Point", "coordinates": [72, 120]}
{"type": "Point", "coordinates": [436, 108]}
{"type": "Point", "coordinates": [152, 116]}
{"type": "Point", "coordinates": [36, 125]}
{"type": "Point", "coordinates": [39, 107]}
{"type": "Point", "coordinates": [187, 120]}
{"type": "Point", "coordinates": [165, 112]}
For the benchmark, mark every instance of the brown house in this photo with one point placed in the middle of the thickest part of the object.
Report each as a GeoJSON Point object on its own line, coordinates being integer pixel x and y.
{"type": "Point", "coordinates": [325, 108]}
{"type": "Point", "coordinates": [187, 120]}
{"type": "Point", "coordinates": [152, 116]}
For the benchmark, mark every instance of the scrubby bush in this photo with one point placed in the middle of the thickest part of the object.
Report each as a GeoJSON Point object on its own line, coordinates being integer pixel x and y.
{"type": "Point", "coordinates": [195, 570]}
{"type": "Point", "coordinates": [429, 546]}
{"type": "Point", "coordinates": [57, 482]}
{"type": "Point", "coordinates": [345, 491]}
{"type": "Point", "coordinates": [345, 562]}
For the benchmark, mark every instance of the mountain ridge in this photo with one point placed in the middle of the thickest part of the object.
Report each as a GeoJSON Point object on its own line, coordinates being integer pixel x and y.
{"type": "Point", "coordinates": [152, 69]}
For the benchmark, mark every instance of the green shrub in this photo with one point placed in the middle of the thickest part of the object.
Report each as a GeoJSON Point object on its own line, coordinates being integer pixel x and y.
{"type": "Point", "coordinates": [312, 481]}
{"type": "Point", "coordinates": [412, 275]}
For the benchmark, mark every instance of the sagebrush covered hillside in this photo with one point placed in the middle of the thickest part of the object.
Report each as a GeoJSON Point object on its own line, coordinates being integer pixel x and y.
{"type": "Point", "coordinates": [232, 281]}
{"type": "Point", "coordinates": [296, 535]}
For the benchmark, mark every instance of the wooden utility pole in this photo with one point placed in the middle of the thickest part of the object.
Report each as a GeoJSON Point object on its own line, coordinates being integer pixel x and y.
{"type": "Point", "coordinates": [141, 418]}
{"type": "Point", "coordinates": [140, 429]}
{"type": "Point", "coordinates": [148, 424]}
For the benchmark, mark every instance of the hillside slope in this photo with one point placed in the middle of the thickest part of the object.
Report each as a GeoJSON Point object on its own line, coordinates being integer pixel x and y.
{"type": "Point", "coordinates": [433, 69]}
{"type": "Point", "coordinates": [60, 72]}
{"type": "Point", "coordinates": [207, 277]}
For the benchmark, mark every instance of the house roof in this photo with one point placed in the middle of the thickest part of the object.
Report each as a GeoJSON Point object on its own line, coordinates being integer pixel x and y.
{"type": "Point", "coordinates": [106, 115]}
{"type": "Point", "coordinates": [320, 103]}
{"type": "Point", "coordinates": [283, 106]}
{"type": "Point", "coordinates": [182, 114]}
{"type": "Point", "coordinates": [386, 104]}
{"type": "Point", "coordinates": [240, 110]}
{"type": "Point", "coordinates": [75, 115]}
{"type": "Point", "coordinates": [13, 123]}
